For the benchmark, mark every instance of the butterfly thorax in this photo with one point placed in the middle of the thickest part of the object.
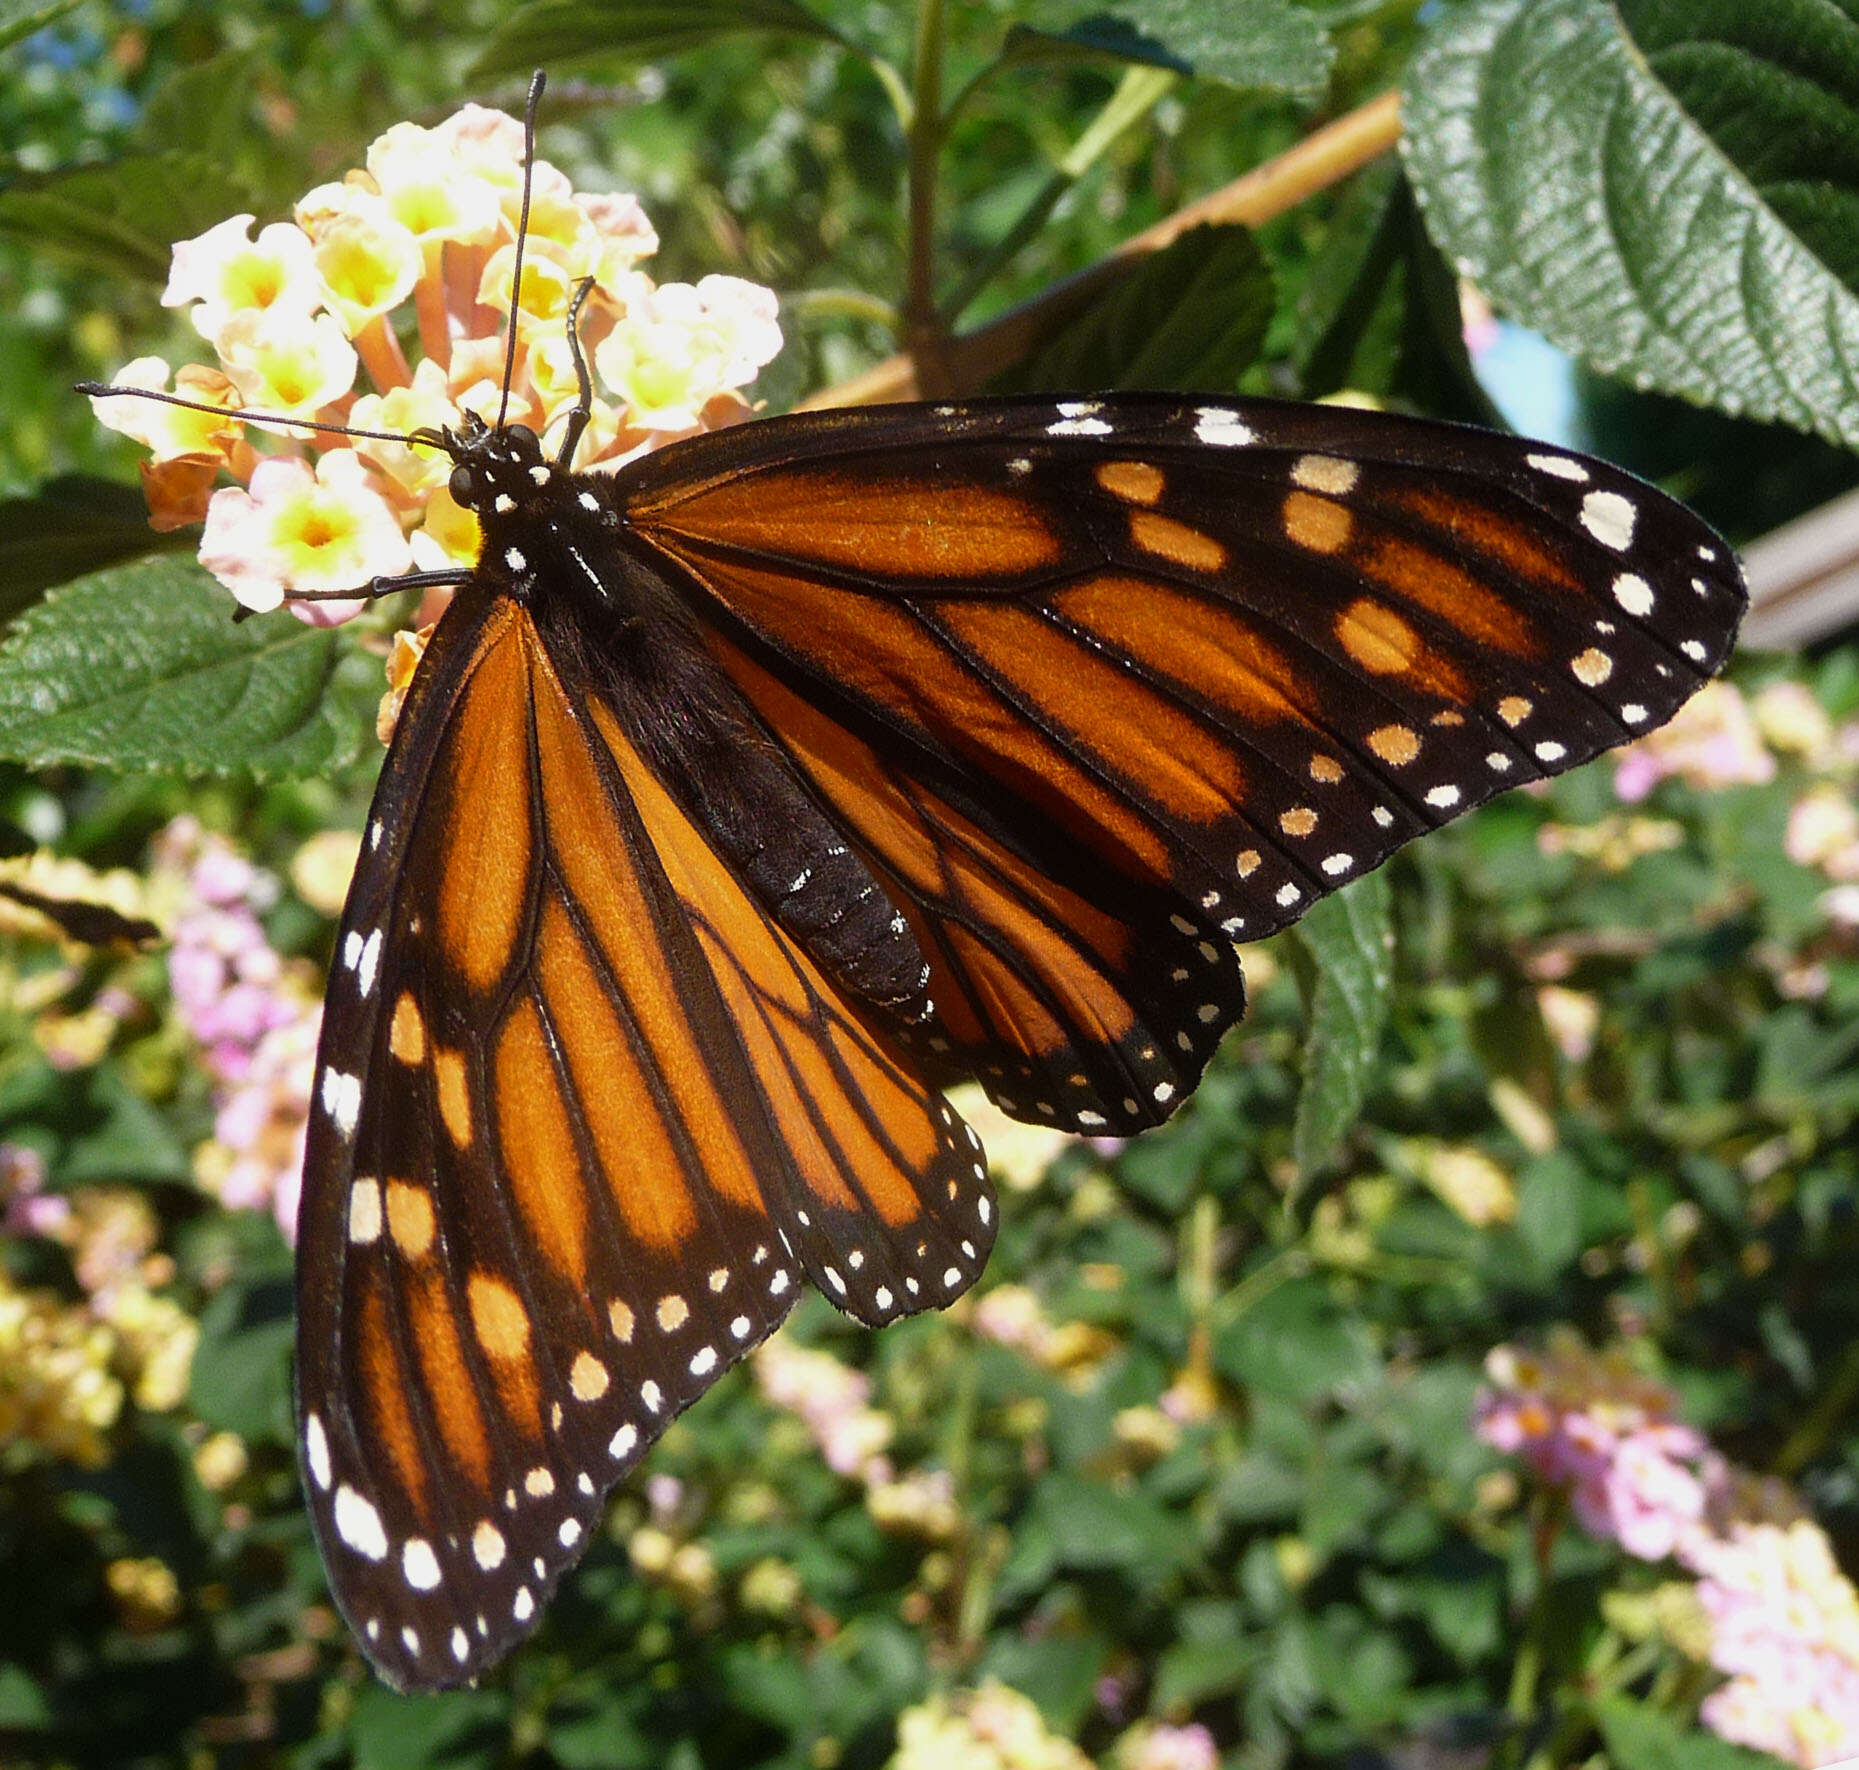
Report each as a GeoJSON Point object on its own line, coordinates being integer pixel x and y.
{"type": "Point", "coordinates": [543, 525]}
{"type": "Point", "coordinates": [619, 629]}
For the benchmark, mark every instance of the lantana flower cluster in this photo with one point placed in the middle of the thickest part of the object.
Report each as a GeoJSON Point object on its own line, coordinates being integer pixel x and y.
{"type": "Point", "coordinates": [255, 1017]}
{"type": "Point", "coordinates": [381, 305]}
{"type": "Point", "coordinates": [1783, 1619]}
{"type": "Point", "coordinates": [1591, 1424]}
{"type": "Point", "coordinates": [1712, 741]}
{"type": "Point", "coordinates": [1785, 1626]}
{"type": "Point", "coordinates": [995, 1727]}
{"type": "Point", "coordinates": [75, 1023]}
{"type": "Point", "coordinates": [67, 1368]}
{"type": "Point", "coordinates": [1011, 1315]}
{"type": "Point", "coordinates": [833, 1401]}
{"type": "Point", "coordinates": [990, 1728]}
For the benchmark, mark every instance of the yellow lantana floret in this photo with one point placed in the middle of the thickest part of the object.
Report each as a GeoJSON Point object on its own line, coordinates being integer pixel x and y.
{"type": "Point", "coordinates": [321, 528]}
{"type": "Point", "coordinates": [287, 363]}
{"type": "Point", "coordinates": [368, 263]}
{"type": "Point", "coordinates": [224, 273]}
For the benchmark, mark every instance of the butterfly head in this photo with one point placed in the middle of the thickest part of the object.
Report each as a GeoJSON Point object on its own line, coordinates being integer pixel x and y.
{"type": "Point", "coordinates": [491, 464]}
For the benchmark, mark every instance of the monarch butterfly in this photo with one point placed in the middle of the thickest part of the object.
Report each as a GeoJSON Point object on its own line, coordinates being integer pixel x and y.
{"type": "Point", "coordinates": [749, 795]}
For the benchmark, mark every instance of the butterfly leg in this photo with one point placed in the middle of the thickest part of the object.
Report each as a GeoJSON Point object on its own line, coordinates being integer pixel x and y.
{"type": "Point", "coordinates": [451, 575]}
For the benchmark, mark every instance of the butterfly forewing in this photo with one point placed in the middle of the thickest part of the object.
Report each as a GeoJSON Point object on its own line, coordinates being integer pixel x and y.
{"type": "Point", "coordinates": [1231, 654]}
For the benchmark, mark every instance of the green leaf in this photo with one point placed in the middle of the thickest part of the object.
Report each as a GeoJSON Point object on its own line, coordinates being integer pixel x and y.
{"type": "Point", "coordinates": [1190, 317]}
{"type": "Point", "coordinates": [241, 1373]}
{"type": "Point", "coordinates": [121, 218]}
{"type": "Point", "coordinates": [1379, 310]}
{"type": "Point", "coordinates": [553, 31]}
{"type": "Point", "coordinates": [1341, 317]}
{"type": "Point", "coordinates": [461, 1730]}
{"type": "Point", "coordinates": [142, 666]}
{"type": "Point", "coordinates": [1261, 45]}
{"type": "Point", "coordinates": [1648, 1739]}
{"type": "Point", "coordinates": [1549, 1212]}
{"type": "Point", "coordinates": [598, 1729]}
{"type": "Point", "coordinates": [1351, 939]}
{"type": "Point", "coordinates": [1090, 1525]}
{"type": "Point", "coordinates": [126, 1140]}
{"type": "Point", "coordinates": [1682, 210]}
{"type": "Point", "coordinates": [74, 525]}
{"type": "Point", "coordinates": [1294, 1342]}
{"type": "Point", "coordinates": [1213, 1655]}
{"type": "Point", "coordinates": [1076, 1521]}
{"type": "Point", "coordinates": [20, 19]}
{"type": "Point", "coordinates": [1059, 1673]}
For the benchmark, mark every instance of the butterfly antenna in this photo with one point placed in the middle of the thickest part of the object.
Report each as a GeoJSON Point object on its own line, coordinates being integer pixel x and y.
{"type": "Point", "coordinates": [109, 390]}
{"type": "Point", "coordinates": [584, 397]}
{"type": "Point", "coordinates": [536, 83]}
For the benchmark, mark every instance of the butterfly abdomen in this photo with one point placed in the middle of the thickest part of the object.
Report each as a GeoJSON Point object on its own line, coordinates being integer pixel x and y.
{"type": "Point", "coordinates": [641, 647]}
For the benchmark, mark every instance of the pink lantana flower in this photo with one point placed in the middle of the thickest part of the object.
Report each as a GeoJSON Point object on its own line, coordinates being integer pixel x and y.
{"type": "Point", "coordinates": [1591, 1424]}
{"type": "Point", "coordinates": [1783, 1619]}
{"type": "Point", "coordinates": [1785, 1626]}
{"type": "Point", "coordinates": [314, 528]}
{"type": "Point", "coordinates": [832, 1401]}
{"type": "Point", "coordinates": [1712, 741]}
{"type": "Point", "coordinates": [254, 1015]}
{"type": "Point", "coordinates": [1823, 832]}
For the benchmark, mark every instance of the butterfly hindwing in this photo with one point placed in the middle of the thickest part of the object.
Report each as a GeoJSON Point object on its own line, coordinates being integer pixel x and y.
{"type": "Point", "coordinates": [1193, 663]}
{"type": "Point", "coordinates": [886, 1192]}
{"type": "Point", "coordinates": [1050, 971]}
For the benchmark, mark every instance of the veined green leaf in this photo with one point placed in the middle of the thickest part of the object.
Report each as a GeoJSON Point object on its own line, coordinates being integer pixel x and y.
{"type": "Point", "coordinates": [1351, 938]}
{"type": "Point", "coordinates": [1262, 45]}
{"type": "Point", "coordinates": [1670, 193]}
{"type": "Point", "coordinates": [122, 217]}
{"type": "Point", "coordinates": [1191, 316]}
{"type": "Point", "coordinates": [141, 666]}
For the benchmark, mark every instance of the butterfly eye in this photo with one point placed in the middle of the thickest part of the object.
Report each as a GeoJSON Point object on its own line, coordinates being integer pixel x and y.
{"type": "Point", "coordinates": [462, 485]}
{"type": "Point", "coordinates": [523, 442]}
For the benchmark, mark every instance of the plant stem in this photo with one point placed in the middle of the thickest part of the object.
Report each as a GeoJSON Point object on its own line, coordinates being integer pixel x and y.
{"type": "Point", "coordinates": [926, 129]}
{"type": "Point", "coordinates": [1257, 1285]}
{"type": "Point", "coordinates": [974, 1577]}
